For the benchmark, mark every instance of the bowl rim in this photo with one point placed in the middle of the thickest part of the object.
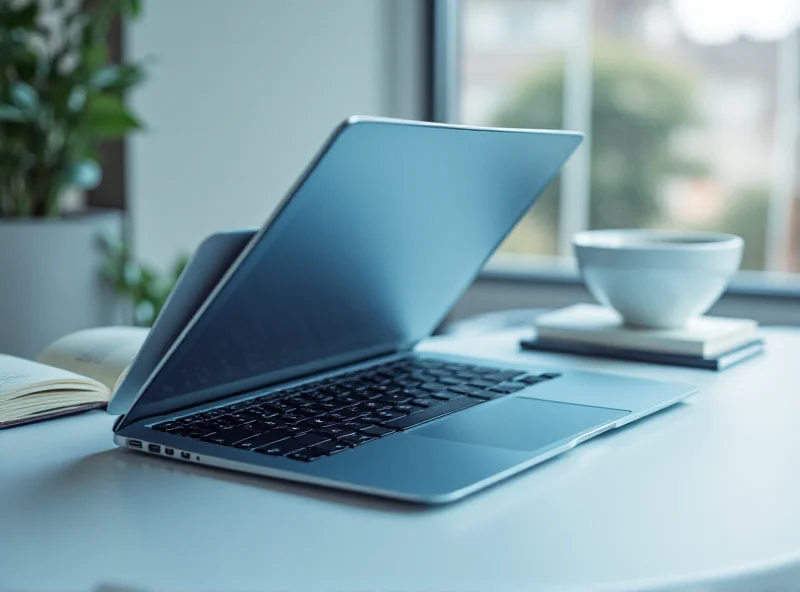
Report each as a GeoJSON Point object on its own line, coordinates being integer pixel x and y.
{"type": "Point", "coordinates": [628, 239]}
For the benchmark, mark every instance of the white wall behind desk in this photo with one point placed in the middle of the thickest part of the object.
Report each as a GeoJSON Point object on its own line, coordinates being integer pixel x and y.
{"type": "Point", "coordinates": [242, 94]}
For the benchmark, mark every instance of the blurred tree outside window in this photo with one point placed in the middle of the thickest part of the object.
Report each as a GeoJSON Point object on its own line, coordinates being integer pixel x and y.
{"type": "Point", "coordinates": [685, 133]}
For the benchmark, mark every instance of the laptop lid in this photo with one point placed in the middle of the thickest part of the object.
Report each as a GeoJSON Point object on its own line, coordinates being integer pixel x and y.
{"type": "Point", "coordinates": [387, 227]}
{"type": "Point", "coordinates": [208, 265]}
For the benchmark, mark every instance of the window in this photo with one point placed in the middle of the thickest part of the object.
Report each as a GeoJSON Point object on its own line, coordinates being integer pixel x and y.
{"type": "Point", "coordinates": [690, 110]}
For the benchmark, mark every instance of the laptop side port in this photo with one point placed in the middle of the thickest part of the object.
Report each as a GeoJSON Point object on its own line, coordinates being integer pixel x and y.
{"type": "Point", "coordinates": [135, 443]}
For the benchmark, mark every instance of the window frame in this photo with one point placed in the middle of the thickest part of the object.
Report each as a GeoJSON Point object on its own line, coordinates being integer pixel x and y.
{"type": "Point", "coordinates": [502, 268]}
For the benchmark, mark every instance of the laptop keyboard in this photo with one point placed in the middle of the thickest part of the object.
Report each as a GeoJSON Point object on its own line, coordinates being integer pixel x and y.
{"type": "Point", "coordinates": [329, 416]}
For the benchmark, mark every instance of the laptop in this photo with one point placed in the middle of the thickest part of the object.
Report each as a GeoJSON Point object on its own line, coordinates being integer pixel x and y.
{"type": "Point", "coordinates": [300, 363]}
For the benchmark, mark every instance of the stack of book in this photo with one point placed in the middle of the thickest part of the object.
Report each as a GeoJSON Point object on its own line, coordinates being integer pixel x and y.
{"type": "Point", "coordinates": [714, 343]}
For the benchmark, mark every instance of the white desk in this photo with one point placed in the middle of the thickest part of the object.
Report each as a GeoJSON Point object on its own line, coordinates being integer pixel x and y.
{"type": "Point", "coordinates": [708, 491]}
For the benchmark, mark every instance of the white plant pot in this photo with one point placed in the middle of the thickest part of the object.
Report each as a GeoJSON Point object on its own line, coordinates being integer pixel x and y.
{"type": "Point", "coordinates": [50, 281]}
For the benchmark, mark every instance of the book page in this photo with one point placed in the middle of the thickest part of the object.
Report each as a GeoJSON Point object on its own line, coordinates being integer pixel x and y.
{"type": "Point", "coordinates": [103, 353]}
{"type": "Point", "coordinates": [19, 377]}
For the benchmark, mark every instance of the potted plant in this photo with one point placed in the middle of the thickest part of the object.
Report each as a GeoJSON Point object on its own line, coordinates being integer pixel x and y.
{"type": "Point", "coordinates": [60, 97]}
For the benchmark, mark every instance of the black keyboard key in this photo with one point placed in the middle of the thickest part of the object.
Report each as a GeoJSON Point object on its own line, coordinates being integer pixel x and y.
{"type": "Point", "coordinates": [264, 425]}
{"type": "Point", "coordinates": [445, 395]}
{"type": "Point", "coordinates": [167, 426]}
{"type": "Point", "coordinates": [483, 384]}
{"type": "Point", "coordinates": [417, 392]}
{"type": "Point", "coordinates": [282, 406]}
{"type": "Point", "coordinates": [348, 401]}
{"type": "Point", "coordinates": [336, 431]}
{"type": "Point", "coordinates": [405, 408]}
{"type": "Point", "coordinates": [507, 388]}
{"type": "Point", "coordinates": [450, 381]}
{"type": "Point", "coordinates": [221, 423]}
{"type": "Point", "coordinates": [264, 439]}
{"type": "Point", "coordinates": [195, 432]}
{"type": "Point", "coordinates": [531, 379]}
{"type": "Point", "coordinates": [426, 402]}
{"type": "Point", "coordinates": [318, 422]}
{"type": "Point", "coordinates": [384, 387]}
{"type": "Point", "coordinates": [377, 431]}
{"type": "Point", "coordinates": [356, 439]}
{"type": "Point", "coordinates": [394, 398]}
{"type": "Point", "coordinates": [370, 419]}
{"type": "Point", "coordinates": [390, 414]}
{"type": "Point", "coordinates": [466, 376]}
{"type": "Point", "coordinates": [486, 395]}
{"type": "Point", "coordinates": [304, 441]}
{"type": "Point", "coordinates": [330, 448]}
{"type": "Point", "coordinates": [231, 436]}
{"type": "Point", "coordinates": [354, 425]}
{"type": "Point", "coordinates": [425, 415]}
{"type": "Point", "coordinates": [269, 408]}
{"type": "Point", "coordinates": [433, 386]}
{"type": "Point", "coordinates": [407, 381]}
{"type": "Point", "coordinates": [370, 406]}
{"type": "Point", "coordinates": [297, 401]}
{"type": "Point", "coordinates": [187, 419]}
{"type": "Point", "coordinates": [465, 390]}
{"type": "Point", "coordinates": [277, 449]}
{"type": "Point", "coordinates": [290, 418]}
{"type": "Point", "coordinates": [262, 413]}
{"type": "Point", "coordinates": [503, 376]}
{"type": "Point", "coordinates": [307, 455]}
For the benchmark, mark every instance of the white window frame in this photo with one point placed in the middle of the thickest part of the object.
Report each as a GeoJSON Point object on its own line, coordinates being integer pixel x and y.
{"type": "Point", "coordinates": [575, 179]}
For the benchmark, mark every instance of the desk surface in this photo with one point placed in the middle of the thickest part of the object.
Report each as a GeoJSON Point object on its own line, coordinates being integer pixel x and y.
{"type": "Point", "coordinates": [706, 491]}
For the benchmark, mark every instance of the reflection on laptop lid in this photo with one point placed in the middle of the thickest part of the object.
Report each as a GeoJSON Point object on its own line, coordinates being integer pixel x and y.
{"type": "Point", "coordinates": [380, 236]}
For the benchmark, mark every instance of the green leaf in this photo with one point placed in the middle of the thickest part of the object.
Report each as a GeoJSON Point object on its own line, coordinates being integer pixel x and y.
{"type": "Point", "coordinates": [23, 16]}
{"type": "Point", "coordinates": [85, 174]}
{"type": "Point", "coordinates": [94, 57]}
{"type": "Point", "coordinates": [132, 8]}
{"type": "Point", "coordinates": [11, 113]}
{"type": "Point", "coordinates": [117, 77]}
{"type": "Point", "coordinates": [109, 118]}
{"type": "Point", "coordinates": [77, 99]}
{"type": "Point", "coordinates": [24, 96]}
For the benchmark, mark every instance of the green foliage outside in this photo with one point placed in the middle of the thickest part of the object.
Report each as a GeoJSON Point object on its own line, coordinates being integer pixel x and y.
{"type": "Point", "coordinates": [145, 287]}
{"type": "Point", "coordinates": [638, 102]}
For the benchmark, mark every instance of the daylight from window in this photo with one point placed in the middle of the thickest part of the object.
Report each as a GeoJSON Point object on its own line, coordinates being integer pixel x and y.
{"type": "Point", "coordinates": [690, 110]}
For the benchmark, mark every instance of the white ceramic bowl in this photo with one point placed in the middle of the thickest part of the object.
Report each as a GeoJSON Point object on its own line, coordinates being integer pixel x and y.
{"type": "Point", "coordinates": [657, 278]}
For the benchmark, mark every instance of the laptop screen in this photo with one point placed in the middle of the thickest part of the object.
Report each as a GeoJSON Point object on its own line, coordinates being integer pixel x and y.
{"type": "Point", "coordinates": [386, 230]}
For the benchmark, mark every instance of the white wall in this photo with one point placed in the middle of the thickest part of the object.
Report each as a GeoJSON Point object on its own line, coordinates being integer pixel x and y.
{"type": "Point", "coordinates": [241, 95]}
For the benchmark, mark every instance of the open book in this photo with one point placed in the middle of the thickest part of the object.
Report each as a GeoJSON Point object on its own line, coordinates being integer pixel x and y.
{"type": "Point", "coordinates": [74, 373]}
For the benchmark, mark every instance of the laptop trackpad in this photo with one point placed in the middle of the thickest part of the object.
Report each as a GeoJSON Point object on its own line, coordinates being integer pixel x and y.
{"type": "Point", "coordinates": [519, 423]}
